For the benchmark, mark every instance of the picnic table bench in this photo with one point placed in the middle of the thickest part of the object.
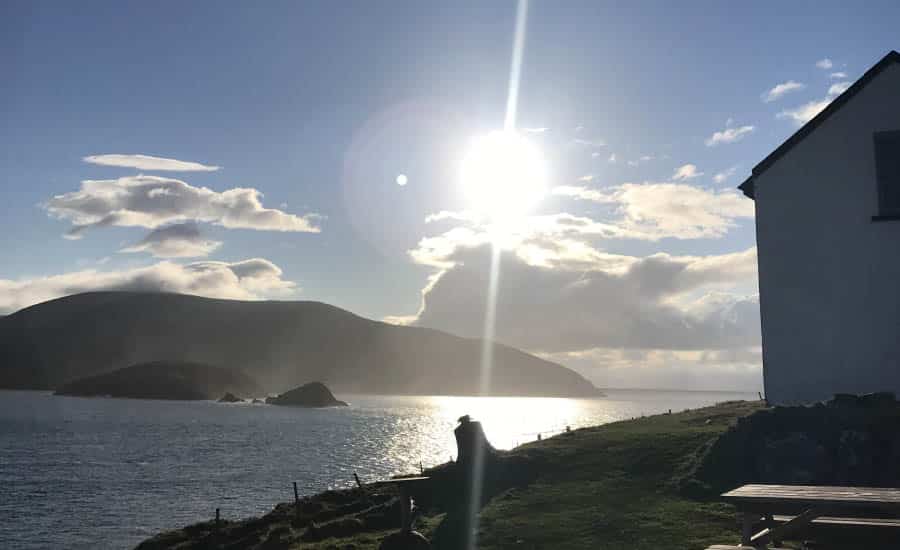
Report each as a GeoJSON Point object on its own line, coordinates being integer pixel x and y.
{"type": "Point", "coordinates": [787, 508]}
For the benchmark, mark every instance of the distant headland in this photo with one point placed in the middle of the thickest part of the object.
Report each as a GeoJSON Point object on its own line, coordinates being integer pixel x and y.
{"type": "Point", "coordinates": [280, 344]}
{"type": "Point", "coordinates": [163, 380]}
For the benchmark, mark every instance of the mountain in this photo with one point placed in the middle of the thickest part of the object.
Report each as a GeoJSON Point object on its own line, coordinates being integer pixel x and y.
{"type": "Point", "coordinates": [280, 344]}
{"type": "Point", "coordinates": [163, 380]}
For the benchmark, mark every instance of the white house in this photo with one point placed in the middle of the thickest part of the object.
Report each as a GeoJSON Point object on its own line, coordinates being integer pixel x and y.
{"type": "Point", "coordinates": [828, 238]}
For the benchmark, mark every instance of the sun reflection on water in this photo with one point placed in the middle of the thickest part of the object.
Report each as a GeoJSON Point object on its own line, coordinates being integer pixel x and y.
{"type": "Point", "coordinates": [507, 421]}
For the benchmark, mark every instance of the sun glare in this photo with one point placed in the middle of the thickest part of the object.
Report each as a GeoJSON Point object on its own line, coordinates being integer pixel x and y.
{"type": "Point", "coordinates": [503, 176]}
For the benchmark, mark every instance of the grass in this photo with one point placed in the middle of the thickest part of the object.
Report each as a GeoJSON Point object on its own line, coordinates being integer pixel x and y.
{"type": "Point", "coordinates": [616, 486]}
{"type": "Point", "coordinates": [611, 486]}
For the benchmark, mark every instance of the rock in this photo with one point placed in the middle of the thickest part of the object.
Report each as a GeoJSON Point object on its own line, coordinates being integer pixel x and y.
{"type": "Point", "coordinates": [258, 401]}
{"type": "Point", "coordinates": [878, 399]}
{"type": "Point", "coordinates": [314, 394]}
{"type": "Point", "coordinates": [230, 398]}
{"type": "Point", "coordinates": [470, 440]}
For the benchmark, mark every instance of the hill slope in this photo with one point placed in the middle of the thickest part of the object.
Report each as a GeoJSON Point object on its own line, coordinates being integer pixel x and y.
{"type": "Point", "coordinates": [163, 380]}
{"type": "Point", "coordinates": [280, 344]}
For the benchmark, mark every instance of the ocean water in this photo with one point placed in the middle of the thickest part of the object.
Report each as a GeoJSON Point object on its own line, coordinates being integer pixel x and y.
{"type": "Point", "coordinates": [108, 473]}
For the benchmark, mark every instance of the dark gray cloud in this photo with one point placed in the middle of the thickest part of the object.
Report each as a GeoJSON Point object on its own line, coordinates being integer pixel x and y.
{"type": "Point", "coordinates": [180, 240]}
{"type": "Point", "coordinates": [657, 302]}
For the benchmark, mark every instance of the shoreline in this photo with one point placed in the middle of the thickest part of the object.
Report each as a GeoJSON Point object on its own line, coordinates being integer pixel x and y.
{"type": "Point", "coordinates": [360, 518]}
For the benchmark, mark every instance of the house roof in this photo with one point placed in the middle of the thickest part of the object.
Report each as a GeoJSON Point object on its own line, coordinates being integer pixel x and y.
{"type": "Point", "coordinates": [748, 187]}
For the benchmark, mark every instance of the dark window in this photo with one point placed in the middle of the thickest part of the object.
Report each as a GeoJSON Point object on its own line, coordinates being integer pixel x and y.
{"type": "Point", "coordinates": [887, 170]}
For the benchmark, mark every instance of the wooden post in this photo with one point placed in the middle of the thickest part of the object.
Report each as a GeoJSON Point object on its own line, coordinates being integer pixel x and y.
{"type": "Point", "coordinates": [217, 517]}
{"type": "Point", "coordinates": [405, 510]}
{"type": "Point", "coordinates": [747, 520]}
{"type": "Point", "coordinates": [296, 494]}
{"type": "Point", "coordinates": [358, 482]}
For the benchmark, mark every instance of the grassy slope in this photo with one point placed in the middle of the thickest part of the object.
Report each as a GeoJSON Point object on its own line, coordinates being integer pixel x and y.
{"type": "Point", "coordinates": [615, 486]}
{"type": "Point", "coordinates": [612, 486]}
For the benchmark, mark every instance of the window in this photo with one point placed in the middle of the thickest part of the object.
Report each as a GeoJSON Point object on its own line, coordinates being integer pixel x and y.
{"type": "Point", "coordinates": [887, 172]}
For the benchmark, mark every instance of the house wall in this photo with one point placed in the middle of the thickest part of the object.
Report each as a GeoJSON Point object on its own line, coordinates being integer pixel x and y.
{"type": "Point", "coordinates": [829, 275]}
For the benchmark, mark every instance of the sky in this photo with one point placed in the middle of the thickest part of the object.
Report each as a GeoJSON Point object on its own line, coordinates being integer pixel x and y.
{"type": "Point", "coordinates": [249, 151]}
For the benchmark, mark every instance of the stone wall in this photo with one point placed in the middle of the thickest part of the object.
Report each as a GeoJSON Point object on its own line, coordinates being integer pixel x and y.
{"type": "Point", "coordinates": [851, 440]}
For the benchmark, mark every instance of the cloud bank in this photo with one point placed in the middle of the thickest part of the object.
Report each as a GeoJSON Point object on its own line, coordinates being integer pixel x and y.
{"type": "Point", "coordinates": [657, 302]}
{"type": "Point", "coordinates": [252, 279]}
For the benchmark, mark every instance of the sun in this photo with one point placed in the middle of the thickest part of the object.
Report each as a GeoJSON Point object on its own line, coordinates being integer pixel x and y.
{"type": "Point", "coordinates": [503, 176]}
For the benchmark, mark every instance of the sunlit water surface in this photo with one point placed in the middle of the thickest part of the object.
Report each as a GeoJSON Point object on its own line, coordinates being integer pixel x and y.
{"type": "Point", "coordinates": [108, 473]}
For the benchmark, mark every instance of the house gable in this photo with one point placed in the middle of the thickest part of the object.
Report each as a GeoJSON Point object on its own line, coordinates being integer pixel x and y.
{"type": "Point", "coordinates": [748, 186]}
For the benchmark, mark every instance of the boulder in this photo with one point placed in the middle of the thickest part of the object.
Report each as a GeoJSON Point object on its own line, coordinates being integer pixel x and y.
{"type": "Point", "coordinates": [314, 394]}
{"type": "Point", "coordinates": [230, 398]}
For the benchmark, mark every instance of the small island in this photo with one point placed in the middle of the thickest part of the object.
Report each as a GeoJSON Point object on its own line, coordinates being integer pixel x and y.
{"type": "Point", "coordinates": [174, 380]}
{"type": "Point", "coordinates": [314, 394]}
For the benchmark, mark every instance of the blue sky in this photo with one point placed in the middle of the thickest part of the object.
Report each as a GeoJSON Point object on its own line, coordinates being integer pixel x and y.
{"type": "Point", "coordinates": [319, 106]}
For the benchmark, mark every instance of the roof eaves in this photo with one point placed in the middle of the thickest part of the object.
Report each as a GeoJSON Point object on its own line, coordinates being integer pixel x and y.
{"type": "Point", "coordinates": [748, 187]}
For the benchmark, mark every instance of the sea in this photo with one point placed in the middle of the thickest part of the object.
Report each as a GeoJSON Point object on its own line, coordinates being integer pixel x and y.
{"type": "Point", "coordinates": [105, 473]}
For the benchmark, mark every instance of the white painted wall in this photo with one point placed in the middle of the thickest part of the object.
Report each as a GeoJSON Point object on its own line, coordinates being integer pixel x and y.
{"type": "Point", "coordinates": [829, 277]}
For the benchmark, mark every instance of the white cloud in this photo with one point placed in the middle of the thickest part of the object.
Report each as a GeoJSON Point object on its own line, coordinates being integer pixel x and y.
{"type": "Point", "coordinates": [586, 178]}
{"type": "Point", "coordinates": [612, 158]}
{"type": "Point", "coordinates": [729, 135]}
{"type": "Point", "coordinates": [838, 88]}
{"type": "Point", "coordinates": [182, 240]}
{"type": "Point", "coordinates": [149, 163]}
{"type": "Point", "coordinates": [840, 75]}
{"type": "Point", "coordinates": [539, 130]}
{"type": "Point", "coordinates": [804, 113]}
{"type": "Point", "coordinates": [660, 210]}
{"type": "Point", "coordinates": [645, 211]}
{"type": "Point", "coordinates": [151, 202]}
{"type": "Point", "coordinates": [251, 279]}
{"type": "Point", "coordinates": [724, 175]}
{"type": "Point", "coordinates": [583, 193]}
{"type": "Point", "coordinates": [781, 89]}
{"type": "Point", "coordinates": [589, 142]}
{"type": "Point", "coordinates": [824, 64]}
{"type": "Point", "coordinates": [686, 172]}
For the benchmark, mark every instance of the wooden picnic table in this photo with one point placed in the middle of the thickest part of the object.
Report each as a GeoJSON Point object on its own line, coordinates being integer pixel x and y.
{"type": "Point", "coordinates": [859, 506]}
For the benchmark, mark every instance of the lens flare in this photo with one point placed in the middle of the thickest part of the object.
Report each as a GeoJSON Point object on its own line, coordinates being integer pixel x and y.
{"type": "Point", "coordinates": [503, 175]}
